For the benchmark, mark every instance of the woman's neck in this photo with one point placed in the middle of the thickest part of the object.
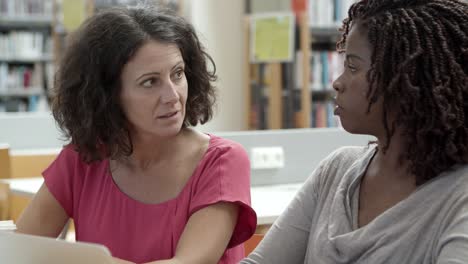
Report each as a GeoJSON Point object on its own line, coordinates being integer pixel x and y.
{"type": "Point", "coordinates": [150, 150]}
{"type": "Point", "coordinates": [393, 161]}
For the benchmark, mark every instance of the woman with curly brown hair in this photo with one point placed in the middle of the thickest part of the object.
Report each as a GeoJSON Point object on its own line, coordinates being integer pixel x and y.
{"type": "Point", "coordinates": [404, 198]}
{"type": "Point", "coordinates": [135, 177]}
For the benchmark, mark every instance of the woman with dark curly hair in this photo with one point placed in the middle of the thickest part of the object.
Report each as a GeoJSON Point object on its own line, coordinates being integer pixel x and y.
{"type": "Point", "coordinates": [404, 198]}
{"type": "Point", "coordinates": [135, 177]}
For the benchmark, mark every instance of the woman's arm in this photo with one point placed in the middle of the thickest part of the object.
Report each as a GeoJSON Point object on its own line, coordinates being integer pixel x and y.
{"type": "Point", "coordinates": [287, 239]}
{"type": "Point", "coordinates": [452, 246]}
{"type": "Point", "coordinates": [206, 235]}
{"type": "Point", "coordinates": [44, 216]}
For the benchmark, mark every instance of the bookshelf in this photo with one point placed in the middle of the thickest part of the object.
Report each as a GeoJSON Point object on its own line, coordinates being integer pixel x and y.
{"type": "Point", "coordinates": [23, 20]}
{"type": "Point", "coordinates": [26, 54]}
{"type": "Point", "coordinates": [304, 98]}
{"type": "Point", "coordinates": [265, 86]}
{"type": "Point", "coordinates": [326, 63]}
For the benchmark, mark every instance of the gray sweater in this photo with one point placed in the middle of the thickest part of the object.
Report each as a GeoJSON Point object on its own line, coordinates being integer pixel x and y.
{"type": "Point", "coordinates": [320, 224]}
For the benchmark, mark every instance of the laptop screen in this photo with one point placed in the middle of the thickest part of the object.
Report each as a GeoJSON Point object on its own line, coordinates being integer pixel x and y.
{"type": "Point", "coordinates": [26, 249]}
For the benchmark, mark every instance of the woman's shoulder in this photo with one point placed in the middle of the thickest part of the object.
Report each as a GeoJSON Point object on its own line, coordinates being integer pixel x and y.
{"type": "Point", "coordinates": [347, 155]}
{"type": "Point", "coordinates": [345, 163]}
{"type": "Point", "coordinates": [455, 180]}
{"type": "Point", "coordinates": [71, 156]}
{"type": "Point", "coordinates": [224, 152]}
{"type": "Point", "coordinates": [223, 145]}
{"type": "Point", "coordinates": [69, 153]}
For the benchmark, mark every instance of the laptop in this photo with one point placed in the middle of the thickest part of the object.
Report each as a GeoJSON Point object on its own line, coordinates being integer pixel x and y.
{"type": "Point", "coordinates": [26, 249]}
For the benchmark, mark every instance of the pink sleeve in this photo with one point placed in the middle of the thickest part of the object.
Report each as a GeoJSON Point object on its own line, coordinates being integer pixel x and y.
{"type": "Point", "coordinates": [226, 178]}
{"type": "Point", "coordinates": [60, 178]}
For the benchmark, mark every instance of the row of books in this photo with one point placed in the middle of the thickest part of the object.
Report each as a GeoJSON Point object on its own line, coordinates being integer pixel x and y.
{"type": "Point", "coordinates": [322, 106]}
{"type": "Point", "coordinates": [328, 12]}
{"type": "Point", "coordinates": [24, 8]}
{"type": "Point", "coordinates": [325, 67]}
{"type": "Point", "coordinates": [24, 44]}
{"type": "Point", "coordinates": [16, 78]}
{"type": "Point", "coordinates": [321, 116]}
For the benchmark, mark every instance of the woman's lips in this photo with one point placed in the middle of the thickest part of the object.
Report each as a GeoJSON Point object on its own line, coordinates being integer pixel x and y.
{"type": "Point", "coordinates": [168, 115]}
{"type": "Point", "coordinates": [338, 108]}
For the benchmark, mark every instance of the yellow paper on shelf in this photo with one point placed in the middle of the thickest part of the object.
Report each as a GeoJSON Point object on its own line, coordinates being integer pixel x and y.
{"type": "Point", "coordinates": [73, 13]}
{"type": "Point", "coordinates": [272, 37]}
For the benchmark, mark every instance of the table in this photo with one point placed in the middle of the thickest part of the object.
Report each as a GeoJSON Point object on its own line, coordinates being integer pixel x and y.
{"type": "Point", "coordinates": [25, 187]}
{"type": "Point", "coordinates": [268, 201]}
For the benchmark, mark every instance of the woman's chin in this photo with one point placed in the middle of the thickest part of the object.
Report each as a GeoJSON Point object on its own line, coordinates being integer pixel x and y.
{"type": "Point", "coordinates": [170, 131]}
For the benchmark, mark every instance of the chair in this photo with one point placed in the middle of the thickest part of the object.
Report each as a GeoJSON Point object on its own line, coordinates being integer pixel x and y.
{"type": "Point", "coordinates": [20, 166]}
{"type": "Point", "coordinates": [5, 173]}
{"type": "Point", "coordinates": [252, 243]}
{"type": "Point", "coordinates": [26, 164]}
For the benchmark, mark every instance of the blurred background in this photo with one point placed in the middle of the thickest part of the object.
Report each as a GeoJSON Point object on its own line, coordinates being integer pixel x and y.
{"type": "Point", "coordinates": [275, 59]}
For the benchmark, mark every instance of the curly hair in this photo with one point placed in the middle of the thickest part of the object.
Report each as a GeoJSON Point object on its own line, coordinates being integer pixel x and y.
{"type": "Point", "coordinates": [86, 103]}
{"type": "Point", "coordinates": [419, 67]}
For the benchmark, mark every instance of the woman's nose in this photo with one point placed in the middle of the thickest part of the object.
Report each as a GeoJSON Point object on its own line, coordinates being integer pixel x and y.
{"type": "Point", "coordinates": [170, 95]}
{"type": "Point", "coordinates": [338, 85]}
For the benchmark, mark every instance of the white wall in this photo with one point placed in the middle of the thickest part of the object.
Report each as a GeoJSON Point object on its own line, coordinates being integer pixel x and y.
{"type": "Point", "coordinates": [303, 148]}
{"type": "Point", "coordinates": [29, 131]}
{"type": "Point", "coordinates": [219, 24]}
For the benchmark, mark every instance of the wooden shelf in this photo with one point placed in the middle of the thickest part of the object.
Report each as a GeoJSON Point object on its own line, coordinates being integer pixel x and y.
{"type": "Point", "coordinates": [22, 92]}
{"type": "Point", "coordinates": [273, 114]}
{"type": "Point", "coordinates": [29, 21]}
{"type": "Point", "coordinates": [329, 33]}
{"type": "Point", "coordinates": [303, 117]}
{"type": "Point", "coordinates": [44, 58]}
{"type": "Point", "coordinates": [274, 111]}
{"type": "Point", "coordinates": [323, 91]}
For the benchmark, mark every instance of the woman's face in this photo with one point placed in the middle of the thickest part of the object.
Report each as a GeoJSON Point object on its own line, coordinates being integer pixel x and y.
{"type": "Point", "coordinates": [352, 87]}
{"type": "Point", "coordinates": [154, 90]}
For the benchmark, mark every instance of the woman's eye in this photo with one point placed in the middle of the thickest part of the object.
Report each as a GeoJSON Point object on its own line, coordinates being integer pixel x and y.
{"type": "Point", "coordinates": [179, 74]}
{"type": "Point", "coordinates": [351, 68]}
{"type": "Point", "coordinates": [148, 83]}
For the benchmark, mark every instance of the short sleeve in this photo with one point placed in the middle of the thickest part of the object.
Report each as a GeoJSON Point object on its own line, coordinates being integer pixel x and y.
{"type": "Point", "coordinates": [225, 177]}
{"type": "Point", "coordinates": [60, 178]}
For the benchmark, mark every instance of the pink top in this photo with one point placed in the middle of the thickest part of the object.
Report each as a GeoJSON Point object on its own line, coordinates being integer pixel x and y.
{"type": "Point", "coordinates": [141, 232]}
